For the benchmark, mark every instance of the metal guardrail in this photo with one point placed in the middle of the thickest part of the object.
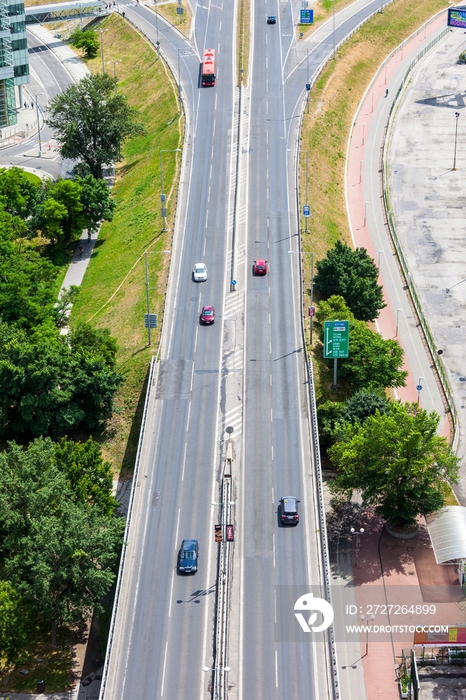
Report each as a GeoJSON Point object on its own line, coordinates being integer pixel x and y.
{"type": "Point", "coordinates": [223, 595]}
{"type": "Point", "coordinates": [126, 533]}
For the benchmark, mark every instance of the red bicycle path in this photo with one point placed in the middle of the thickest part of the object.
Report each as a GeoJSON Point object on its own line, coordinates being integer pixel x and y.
{"type": "Point", "coordinates": [384, 560]}
{"type": "Point", "coordinates": [359, 210]}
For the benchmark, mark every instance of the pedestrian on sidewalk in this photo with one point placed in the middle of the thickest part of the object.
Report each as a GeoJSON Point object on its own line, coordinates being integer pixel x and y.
{"type": "Point", "coordinates": [81, 251]}
{"type": "Point", "coordinates": [25, 105]}
{"type": "Point", "coordinates": [88, 236]}
{"type": "Point", "coordinates": [386, 92]}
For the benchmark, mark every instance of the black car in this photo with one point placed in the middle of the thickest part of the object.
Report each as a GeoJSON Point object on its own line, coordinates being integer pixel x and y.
{"type": "Point", "coordinates": [289, 510]}
{"type": "Point", "coordinates": [187, 559]}
{"type": "Point", "coordinates": [271, 19]}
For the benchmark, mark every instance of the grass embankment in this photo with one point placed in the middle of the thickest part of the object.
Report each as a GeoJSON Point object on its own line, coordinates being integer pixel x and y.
{"type": "Point", "coordinates": [169, 11]}
{"type": "Point", "coordinates": [333, 103]}
{"type": "Point", "coordinates": [113, 293]}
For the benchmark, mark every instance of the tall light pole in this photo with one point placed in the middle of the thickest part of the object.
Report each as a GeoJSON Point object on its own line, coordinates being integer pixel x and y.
{"type": "Point", "coordinates": [311, 310]}
{"type": "Point", "coordinates": [334, 49]}
{"type": "Point", "coordinates": [146, 254]}
{"type": "Point", "coordinates": [457, 114]}
{"type": "Point", "coordinates": [367, 618]}
{"type": "Point", "coordinates": [36, 97]}
{"type": "Point", "coordinates": [419, 389]}
{"type": "Point", "coordinates": [357, 534]}
{"type": "Point", "coordinates": [102, 48]}
{"type": "Point", "coordinates": [397, 314]}
{"type": "Point", "coordinates": [114, 72]}
{"type": "Point", "coordinates": [162, 196]}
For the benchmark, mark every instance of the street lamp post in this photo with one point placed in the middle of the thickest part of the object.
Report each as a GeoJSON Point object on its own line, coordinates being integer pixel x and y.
{"type": "Point", "coordinates": [102, 48]}
{"type": "Point", "coordinates": [36, 96]}
{"type": "Point", "coordinates": [114, 72]}
{"type": "Point", "coordinates": [356, 534]}
{"type": "Point", "coordinates": [147, 253]}
{"type": "Point", "coordinates": [457, 114]}
{"type": "Point", "coordinates": [419, 390]}
{"type": "Point", "coordinates": [162, 196]}
{"type": "Point", "coordinates": [368, 618]}
{"type": "Point", "coordinates": [295, 252]}
{"type": "Point", "coordinates": [397, 315]}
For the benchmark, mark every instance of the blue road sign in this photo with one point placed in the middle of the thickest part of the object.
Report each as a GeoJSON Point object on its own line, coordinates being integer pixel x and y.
{"type": "Point", "coordinates": [308, 86]}
{"type": "Point", "coordinates": [306, 210]}
{"type": "Point", "coordinates": [306, 17]}
{"type": "Point", "coordinates": [419, 387]}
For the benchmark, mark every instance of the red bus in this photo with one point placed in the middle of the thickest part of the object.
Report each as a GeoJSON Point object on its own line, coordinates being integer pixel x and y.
{"type": "Point", "coordinates": [208, 67]}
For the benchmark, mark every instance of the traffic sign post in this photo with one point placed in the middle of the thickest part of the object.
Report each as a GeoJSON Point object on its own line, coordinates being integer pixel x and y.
{"type": "Point", "coordinates": [336, 343]}
{"type": "Point", "coordinates": [306, 210]}
{"type": "Point", "coordinates": [306, 17]}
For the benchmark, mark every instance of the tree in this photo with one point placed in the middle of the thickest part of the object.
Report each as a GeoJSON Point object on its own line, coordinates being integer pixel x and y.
{"type": "Point", "coordinates": [91, 122]}
{"type": "Point", "coordinates": [19, 195]}
{"type": "Point", "coordinates": [58, 552]}
{"type": "Point", "coordinates": [96, 201]}
{"type": "Point", "coordinates": [89, 477]}
{"type": "Point", "coordinates": [87, 41]}
{"type": "Point", "coordinates": [332, 415]}
{"type": "Point", "coordinates": [373, 363]}
{"type": "Point", "coordinates": [397, 461]}
{"type": "Point", "coordinates": [364, 403]}
{"type": "Point", "coordinates": [27, 292]}
{"type": "Point", "coordinates": [48, 387]}
{"type": "Point", "coordinates": [353, 275]}
{"type": "Point", "coordinates": [15, 621]}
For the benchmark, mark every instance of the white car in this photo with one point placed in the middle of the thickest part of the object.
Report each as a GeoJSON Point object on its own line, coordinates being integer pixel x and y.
{"type": "Point", "coordinates": [199, 272]}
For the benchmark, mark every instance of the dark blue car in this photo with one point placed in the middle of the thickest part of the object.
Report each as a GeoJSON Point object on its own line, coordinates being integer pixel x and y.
{"type": "Point", "coordinates": [271, 19]}
{"type": "Point", "coordinates": [187, 560]}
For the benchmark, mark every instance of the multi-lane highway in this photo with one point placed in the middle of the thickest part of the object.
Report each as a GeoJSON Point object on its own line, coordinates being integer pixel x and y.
{"type": "Point", "coordinates": [237, 202]}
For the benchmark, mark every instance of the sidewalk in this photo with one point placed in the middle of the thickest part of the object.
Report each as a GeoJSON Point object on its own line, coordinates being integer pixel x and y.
{"type": "Point", "coordinates": [416, 163]}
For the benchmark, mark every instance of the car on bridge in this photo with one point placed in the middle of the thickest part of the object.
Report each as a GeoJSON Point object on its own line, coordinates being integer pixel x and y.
{"type": "Point", "coordinates": [188, 556]}
{"type": "Point", "coordinates": [200, 272]}
{"type": "Point", "coordinates": [207, 315]}
{"type": "Point", "coordinates": [289, 510]}
{"type": "Point", "coordinates": [260, 267]}
{"type": "Point", "coordinates": [271, 19]}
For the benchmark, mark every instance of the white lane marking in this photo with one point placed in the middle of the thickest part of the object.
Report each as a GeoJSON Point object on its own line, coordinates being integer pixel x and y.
{"type": "Point", "coordinates": [273, 497]}
{"type": "Point", "coordinates": [189, 411]}
{"type": "Point", "coordinates": [270, 319]}
{"type": "Point", "coordinates": [270, 348]}
{"type": "Point", "coordinates": [205, 243]}
{"type": "Point", "coordinates": [208, 196]}
{"type": "Point", "coordinates": [171, 598]}
{"type": "Point", "coordinates": [271, 447]}
{"type": "Point", "coordinates": [184, 460]}
{"type": "Point", "coordinates": [195, 338]}
{"type": "Point", "coordinates": [276, 668]}
{"type": "Point", "coordinates": [271, 414]}
{"type": "Point", "coordinates": [164, 667]}
{"type": "Point", "coordinates": [270, 380]}
{"type": "Point", "coordinates": [273, 550]}
{"type": "Point", "coordinates": [177, 529]}
{"type": "Point", "coordinates": [220, 27]}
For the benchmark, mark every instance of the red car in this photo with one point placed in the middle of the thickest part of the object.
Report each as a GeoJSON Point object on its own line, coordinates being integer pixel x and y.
{"type": "Point", "coordinates": [207, 315]}
{"type": "Point", "coordinates": [260, 267]}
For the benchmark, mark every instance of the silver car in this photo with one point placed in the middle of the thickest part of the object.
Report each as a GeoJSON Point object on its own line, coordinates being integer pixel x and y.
{"type": "Point", "coordinates": [199, 272]}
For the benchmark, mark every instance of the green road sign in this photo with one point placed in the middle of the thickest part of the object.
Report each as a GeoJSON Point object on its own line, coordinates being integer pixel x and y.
{"type": "Point", "coordinates": [336, 339]}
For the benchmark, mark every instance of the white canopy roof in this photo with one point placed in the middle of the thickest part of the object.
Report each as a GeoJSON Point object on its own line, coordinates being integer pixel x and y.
{"type": "Point", "coordinates": [447, 530]}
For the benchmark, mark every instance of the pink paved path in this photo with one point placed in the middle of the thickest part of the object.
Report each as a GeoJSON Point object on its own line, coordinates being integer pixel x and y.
{"type": "Point", "coordinates": [355, 195]}
{"type": "Point", "coordinates": [409, 562]}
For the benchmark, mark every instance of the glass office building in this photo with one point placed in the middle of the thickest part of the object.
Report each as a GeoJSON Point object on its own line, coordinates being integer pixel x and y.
{"type": "Point", "coordinates": [14, 63]}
